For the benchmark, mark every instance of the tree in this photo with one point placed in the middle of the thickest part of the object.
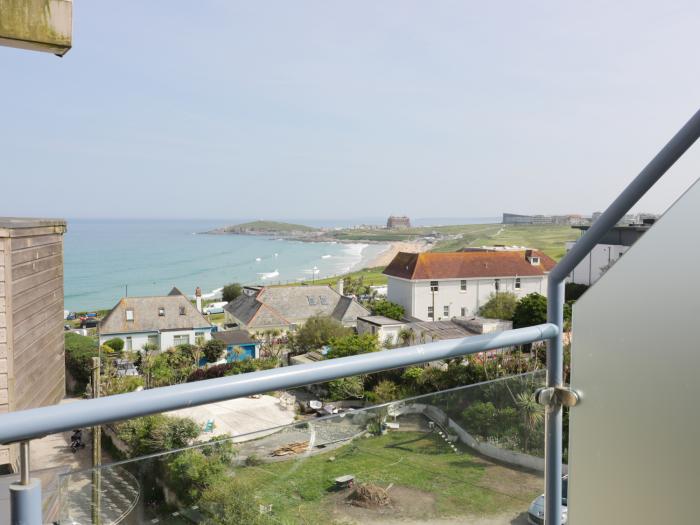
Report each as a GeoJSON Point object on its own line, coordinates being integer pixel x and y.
{"type": "Point", "coordinates": [213, 350]}
{"type": "Point", "coordinates": [386, 391]}
{"type": "Point", "coordinates": [271, 346]}
{"type": "Point", "coordinates": [116, 344]}
{"type": "Point", "coordinates": [146, 435]}
{"type": "Point", "coordinates": [231, 291]}
{"type": "Point", "coordinates": [500, 306]}
{"type": "Point", "coordinates": [388, 309]}
{"type": "Point", "coordinates": [347, 388]}
{"type": "Point", "coordinates": [531, 310]}
{"type": "Point", "coordinates": [532, 414]}
{"type": "Point", "coordinates": [316, 332]}
{"type": "Point", "coordinates": [353, 344]}
{"type": "Point", "coordinates": [79, 351]}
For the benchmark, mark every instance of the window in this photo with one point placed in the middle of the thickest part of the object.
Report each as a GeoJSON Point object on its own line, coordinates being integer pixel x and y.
{"type": "Point", "coordinates": [199, 334]}
{"type": "Point", "coordinates": [130, 315]}
{"type": "Point", "coordinates": [153, 340]}
{"type": "Point", "coordinates": [534, 261]}
{"type": "Point", "coordinates": [312, 300]}
{"type": "Point", "coordinates": [182, 310]}
{"type": "Point", "coordinates": [129, 344]}
{"type": "Point", "coordinates": [463, 285]}
{"type": "Point", "coordinates": [181, 340]}
{"type": "Point", "coordinates": [463, 312]}
{"type": "Point", "coordinates": [497, 284]}
{"type": "Point", "coordinates": [430, 312]}
{"type": "Point", "coordinates": [161, 312]}
{"type": "Point", "coordinates": [324, 299]}
{"type": "Point", "coordinates": [434, 286]}
{"type": "Point", "coordinates": [517, 283]}
{"type": "Point", "coordinates": [446, 310]}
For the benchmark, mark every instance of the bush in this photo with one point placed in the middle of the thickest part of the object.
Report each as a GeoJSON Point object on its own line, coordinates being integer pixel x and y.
{"type": "Point", "coordinates": [386, 391]}
{"type": "Point", "coordinates": [116, 344]}
{"type": "Point", "coordinates": [231, 291]}
{"type": "Point", "coordinates": [316, 332]}
{"type": "Point", "coordinates": [573, 291]}
{"type": "Point", "coordinates": [213, 350]}
{"type": "Point", "coordinates": [79, 351]}
{"type": "Point", "coordinates": [150, 434]}
{"type": "Point", "coordinates": [346, 388]}
{"type": "Point", "coordinates": [531, 310]}
{"type": "Point", "coordinates": [353, 345]}
{"type": "Point", "coordinates": [388, 309]}
{"type": "Point", "coordinates": [500, 306]}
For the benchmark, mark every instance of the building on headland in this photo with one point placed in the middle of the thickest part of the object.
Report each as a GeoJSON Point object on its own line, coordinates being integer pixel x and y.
{"type": "Point", "coordinates": [513, 218]}
{"type": "Point", "coordinates": [396, 222]}
{"type": "Point", "coordinates": [32, 365]}
{"type": "Point", "coordinates": [164, 321]}
{"type": "Point", "coordinates": [286, 308]}
{"type": "Point", "coordinates": [604, 254]}
{"type": "Point", "coordinates": [433, 286]}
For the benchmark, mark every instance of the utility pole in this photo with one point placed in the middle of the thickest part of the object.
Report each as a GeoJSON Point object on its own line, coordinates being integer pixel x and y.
{"type": "Point", "coordinates": [96, 447]}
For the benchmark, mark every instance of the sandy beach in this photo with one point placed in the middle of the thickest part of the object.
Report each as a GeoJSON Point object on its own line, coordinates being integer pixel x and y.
{"type": "Point", "coordinates": [384, 258]}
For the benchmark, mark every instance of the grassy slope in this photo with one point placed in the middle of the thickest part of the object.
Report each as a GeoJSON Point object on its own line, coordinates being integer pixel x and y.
{"type": "Point", "coordinates": [299, 490]}
{"type": "Point", "coordinates": [550, 239]}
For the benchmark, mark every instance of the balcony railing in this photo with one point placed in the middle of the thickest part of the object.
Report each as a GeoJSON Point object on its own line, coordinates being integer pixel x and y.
{"type": "Point", "coordinates": [469, 452]}
{"type": "Point", "coordinates": [26, 425]}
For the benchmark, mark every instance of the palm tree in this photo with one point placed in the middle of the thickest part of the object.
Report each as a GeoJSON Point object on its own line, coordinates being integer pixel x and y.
{"type": "Point", "coordinates": [532, 413]}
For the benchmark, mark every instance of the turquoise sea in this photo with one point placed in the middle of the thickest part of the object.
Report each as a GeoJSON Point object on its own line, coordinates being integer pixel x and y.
{"type": "Point", "coordinates": [103, 257]}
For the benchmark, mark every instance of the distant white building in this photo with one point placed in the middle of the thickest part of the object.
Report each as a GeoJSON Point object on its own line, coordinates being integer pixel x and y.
{"type": "Point", "coordinates": [615, 243]}
{"type": "Point", "coordinates": [164, 321]}
{"type": "Point", "coordinates": [433, 286]}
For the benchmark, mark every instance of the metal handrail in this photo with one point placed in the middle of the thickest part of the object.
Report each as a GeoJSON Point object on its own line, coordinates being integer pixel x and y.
{"type": "Point", "coordinates": [653, 171]}
{"type": "Point", "coordinates": [39, 422]}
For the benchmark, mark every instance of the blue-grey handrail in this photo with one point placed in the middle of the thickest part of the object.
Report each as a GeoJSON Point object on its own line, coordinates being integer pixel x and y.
{"type": "Point", "coordinates": [653, 171]}
{"type": "Point", "coordinates": [38, 422]}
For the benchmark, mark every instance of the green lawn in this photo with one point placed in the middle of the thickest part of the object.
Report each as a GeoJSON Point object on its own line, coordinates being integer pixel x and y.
{"type": "Point", "coordinates": [300, 491]}
{"type": "Point", "coordinates": [371, 276]}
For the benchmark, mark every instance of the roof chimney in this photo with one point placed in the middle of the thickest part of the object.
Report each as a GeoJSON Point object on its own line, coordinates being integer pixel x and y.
{"type": "Point", "coordinates": [340, 286]}
{"type": "Point", "coordinates": [198, 298]}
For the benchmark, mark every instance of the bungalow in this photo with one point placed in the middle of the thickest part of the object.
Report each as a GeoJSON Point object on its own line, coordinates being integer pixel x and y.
{"type": "Point", "coordinates": [288, 307]}
{"type": "Point", "coordinates": [164, 321]}
{"type": "Point", "coordinates": [239, 345]}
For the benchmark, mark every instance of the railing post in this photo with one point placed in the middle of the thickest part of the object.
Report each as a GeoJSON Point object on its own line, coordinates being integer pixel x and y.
{"type": "Point", "coordinates": [553, 411]}
{"type": "Point", "coordinates": [25, 496]}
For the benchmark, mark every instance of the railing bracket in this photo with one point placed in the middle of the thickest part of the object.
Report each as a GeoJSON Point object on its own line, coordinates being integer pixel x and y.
{"type": "Point", "coordinates": [560, 395]}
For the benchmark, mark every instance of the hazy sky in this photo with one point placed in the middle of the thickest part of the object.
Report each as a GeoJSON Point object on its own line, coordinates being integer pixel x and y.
{"type": "Point", "coordinates": [331, 109]}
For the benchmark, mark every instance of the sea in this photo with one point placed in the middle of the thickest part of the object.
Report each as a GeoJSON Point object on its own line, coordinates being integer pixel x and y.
{"type": "Point", "coordinates": [106, 259]}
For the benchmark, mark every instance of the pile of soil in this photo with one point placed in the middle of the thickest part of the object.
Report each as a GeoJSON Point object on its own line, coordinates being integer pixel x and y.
{"type": "Point", "coordinates": [369, 496]}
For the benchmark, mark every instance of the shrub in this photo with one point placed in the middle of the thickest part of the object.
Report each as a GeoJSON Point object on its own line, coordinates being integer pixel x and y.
{"type": "Point", "coordinates": [346, 388]}
{"type": "Point", "coordinates": [386, 391]}
{"type": "Point", "coordinates": [531, 310]}
{"type": "Point", "coordinates": [231, 291]}
{"type": "Point", "coordinates": [316, 332]}
{"type": "Point", "coordinates": [213, 350]}
{"type": "Point", "coordinates": [150, 434]}
{"type": "Point", "coordinates": [116, 344]}
{"type": "Point", "coordinates": [499, 306]}
{"type": "Point", "coordinates": [388, 309]}
{"type": "Point", "coordinates": [79, 351]}
{"type": "Point", "coordinates": [573, 291]}
{"type": "Point", "coordinates": [353, 344]}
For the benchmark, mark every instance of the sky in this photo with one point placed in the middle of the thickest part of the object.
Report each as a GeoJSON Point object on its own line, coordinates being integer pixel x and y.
{"type": "Point", "coordinates": [328, 109]}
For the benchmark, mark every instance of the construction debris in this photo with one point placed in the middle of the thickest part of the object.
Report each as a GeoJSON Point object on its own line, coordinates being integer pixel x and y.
{"type": "Point", "coordinates": [292, 448]}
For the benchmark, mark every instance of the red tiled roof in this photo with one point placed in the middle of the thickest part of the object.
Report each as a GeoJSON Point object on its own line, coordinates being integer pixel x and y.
{"type": "Point", "coordinates": [465, 265]}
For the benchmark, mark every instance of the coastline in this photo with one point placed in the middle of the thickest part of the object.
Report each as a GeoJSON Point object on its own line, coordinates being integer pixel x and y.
{"type": "Point", "coordinates": [384, 257]}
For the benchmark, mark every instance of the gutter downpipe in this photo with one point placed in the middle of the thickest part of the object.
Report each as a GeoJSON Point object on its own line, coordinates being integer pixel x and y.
{"type": "Point", "coordinates": [651, 173]}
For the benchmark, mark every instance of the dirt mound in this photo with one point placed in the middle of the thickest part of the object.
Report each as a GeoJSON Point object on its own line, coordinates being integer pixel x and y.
{"type": "Point", "coordinates": [369, 496]}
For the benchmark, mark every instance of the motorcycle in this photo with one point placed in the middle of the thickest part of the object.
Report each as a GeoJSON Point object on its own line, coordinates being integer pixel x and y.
{"type": "Point", "coordinates": [76, 441]}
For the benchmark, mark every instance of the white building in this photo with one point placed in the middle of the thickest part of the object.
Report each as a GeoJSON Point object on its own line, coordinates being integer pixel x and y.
{"type": "Point", "coordinates": [615, 243]}
{"type": "Point", "coordinates": [165, 321]}
{"type": "Point", "coordinates": [434, 286]}
{"type": "Point", "coordinates": [386, 329]}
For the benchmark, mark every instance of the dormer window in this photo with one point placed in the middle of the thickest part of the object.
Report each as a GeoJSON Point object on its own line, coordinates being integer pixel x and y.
{"type": "Point", "coordinates": [161, 312]}
{"type": "Point", "coordinates": [129, 315]}
{"type": "Point", "coordinates": [182, 310]}
{"type": "Point", "coordinates": [534, 261]}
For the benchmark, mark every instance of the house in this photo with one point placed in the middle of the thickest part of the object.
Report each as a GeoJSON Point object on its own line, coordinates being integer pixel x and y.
{"type": "Point", "coordinates": [239, 345]}
{"type": "Point", "coordinates": [164, 321]}
{"type": "Point", "coordinates": [397, 222]}
{"type": "Point", "coordinates": [32, 370]}
{"type": "Point", "coordinates": [433, 286]}
{"type": "Point", "coordinates": [604, 254]}
{"type": "Point", "coordinates": [386, 329]}
{"type": "Point", "coordinates": [288, 307]}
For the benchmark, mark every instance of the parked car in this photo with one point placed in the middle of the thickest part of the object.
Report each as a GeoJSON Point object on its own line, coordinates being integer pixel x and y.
{"type": "Point", "coordinates": [535, 514]}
